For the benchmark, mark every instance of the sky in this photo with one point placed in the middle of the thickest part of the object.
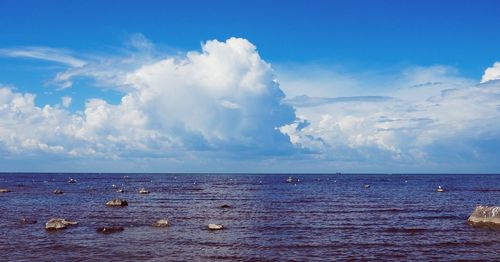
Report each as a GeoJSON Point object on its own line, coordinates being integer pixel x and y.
{"type": "Point", "coordinates": [250, 86]}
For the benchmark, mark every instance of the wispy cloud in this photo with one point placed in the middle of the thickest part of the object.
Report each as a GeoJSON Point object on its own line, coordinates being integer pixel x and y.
{"type": "Point", "coordinates": [306, 101]}
{"type": "Point", "coordinates": [43, 53]}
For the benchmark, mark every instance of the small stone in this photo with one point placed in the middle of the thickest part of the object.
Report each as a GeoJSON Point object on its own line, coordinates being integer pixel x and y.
{"type": "Point", "coordinates": [109, 229]}
{"type": "Point", "coordinates": [4, 190]}
{"type": "Point", "coordinates": [117, 203]}
{"type": "Point", "coordinates": [58, 223]}
{"type": "Point", "coordinates": [225, 206]}
{"type": "Point", "coordinates": [143, 191]}
{"type": "Point", "coordinates": [58, 192]}
{"type": "Point", "coordinates": [215, 227]}
{"type": "Point", "coordinates": [161, 223]}
{"type": "Point", "coordinates": [26, 221]}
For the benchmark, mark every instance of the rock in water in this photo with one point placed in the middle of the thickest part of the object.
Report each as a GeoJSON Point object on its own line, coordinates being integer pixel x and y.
{"type": "Point", "coordinates": [485, 216]}
{"type": "Point", "coordinates": [161, 223]}
{"type": "Point", "coordinates": [120, 190]}
{"type": "Point", "coordinates": [215, 227]}
{"type": "Point", "coordinates": [4, 190]}
{"type": "Point", "coordinates": [143, 191]}
{"type": "Point", "coordinates": [26, 221]}
{"type": "Point", "coordinates": [58, 192]}
{"type": "Point", "coordinates": [225, 206]}
{"type": "Point", "coordinates": [109, 229]}
{"type": "Point", "coordinates": [117, 203]}
{"type": "Point", "coordinates": [58, 223]}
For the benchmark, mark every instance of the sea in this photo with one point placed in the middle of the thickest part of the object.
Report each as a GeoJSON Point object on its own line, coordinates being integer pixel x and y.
{"type": "Point", "coordinates": [310, 217]}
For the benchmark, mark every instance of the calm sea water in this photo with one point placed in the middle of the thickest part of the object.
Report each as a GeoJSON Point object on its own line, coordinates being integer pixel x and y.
{"type": "Point", "coordinates": [320, 217]}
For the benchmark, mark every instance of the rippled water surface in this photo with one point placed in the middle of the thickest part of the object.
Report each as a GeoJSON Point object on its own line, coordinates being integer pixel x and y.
{"type": "Point", "coordinates": [318, 217]}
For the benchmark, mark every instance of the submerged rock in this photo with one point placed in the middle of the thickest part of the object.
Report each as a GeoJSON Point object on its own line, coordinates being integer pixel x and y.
{"type": "Point", "coordinates": [215, 227]}
{"type": "Point", "coordinates": [143, 191]}
{"type": "Point", "coordinates": [161, 223]}
{"type": "Point", "coordinates": [26, 221]}
{"type": "Point", "coordinates": [58, 223]}
{"type": "Point", "coordinates": [109, 229]}
{"type": "Point", "coordinates": [485, 216]}
{"type": "Point", "coordinates": [117, 203]}
{"type": "Point", "coordinates": [4, 190]}
{"type": "Point", "coordinates": [58, 192]}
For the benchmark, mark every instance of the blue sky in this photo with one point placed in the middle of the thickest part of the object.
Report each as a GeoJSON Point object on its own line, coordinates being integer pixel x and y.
{"type": "Point", "coordinates": [258, 86]}
{"type": "Point", "coordinates": [362, 34]}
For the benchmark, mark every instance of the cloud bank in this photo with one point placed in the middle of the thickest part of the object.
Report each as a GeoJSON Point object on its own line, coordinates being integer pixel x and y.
{"type": "Point", "coordinates": [224, 103]}
{"type": "Point", "coordinates": [224, 98]}
{"type": "Point", "coordinates": [432, 119]}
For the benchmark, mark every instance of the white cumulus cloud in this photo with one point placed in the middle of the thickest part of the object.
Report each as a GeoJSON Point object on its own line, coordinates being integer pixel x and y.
{"type": "Point", "coordinates": [491, 73]}
{"type": "Point", "coordinates": [224, 94]}
{"type": "Point", "coordinates": [224, 98]}
{"type": "Point", "coordinates": [223, 102]}
{"type": "Point", "coordinates": [446, 118]}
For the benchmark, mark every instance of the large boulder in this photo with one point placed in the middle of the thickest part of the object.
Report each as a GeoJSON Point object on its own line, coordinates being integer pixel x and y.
{"type": "Point", "coordinates": [485, 216]}
{"type": "Point", "coordinates": [58, 223]}
{"type": "Point", "coordinates": [117, 203]}
{"type": "Point", "coordinates": [161, 223]}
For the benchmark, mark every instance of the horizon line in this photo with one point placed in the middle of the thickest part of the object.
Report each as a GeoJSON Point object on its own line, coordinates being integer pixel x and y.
{"type": "Point", "coordinates": [248, 173]}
